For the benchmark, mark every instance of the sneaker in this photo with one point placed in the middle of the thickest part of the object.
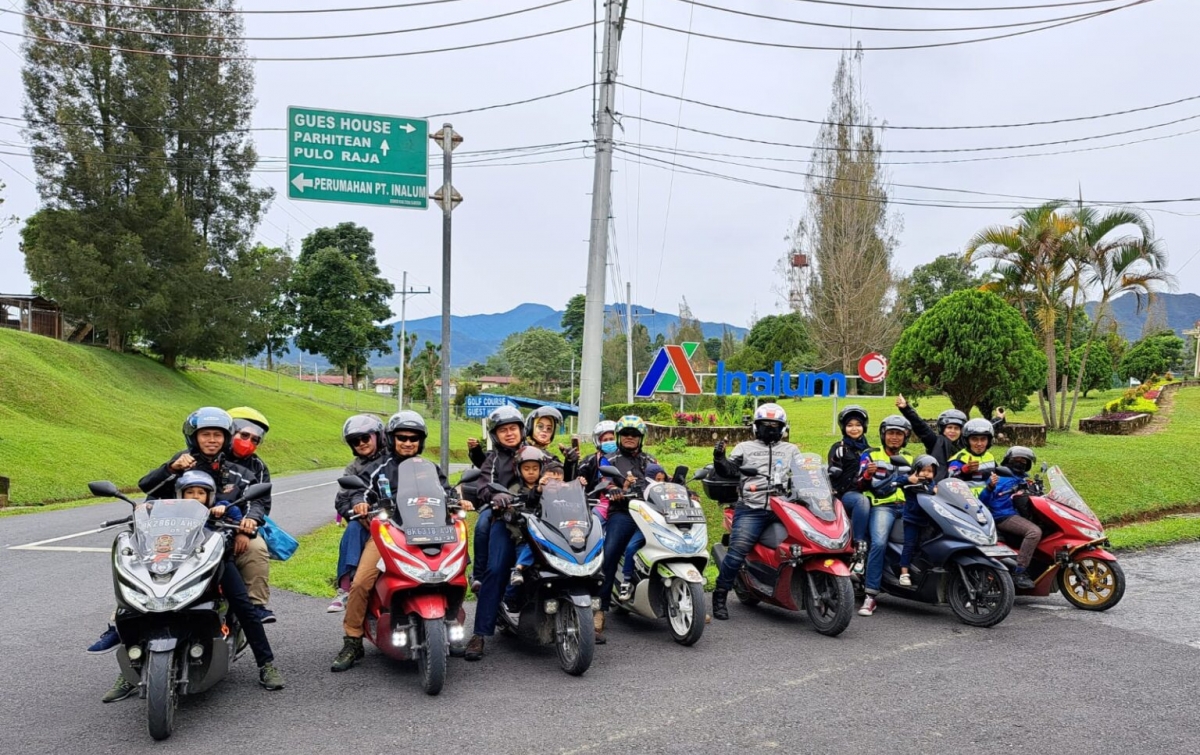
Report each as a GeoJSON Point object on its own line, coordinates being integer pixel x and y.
{"type": "Point", "coordinates": [1022, 581]}
{"type": "Point", "coordinates": [625, 591]}
{"type": "Point", "coordinates": [339, 602]}
{"type": "Point", "coordinates": [121, 689]}
{"type": "Point", "coordinates": [905, 580]}
{"type": "Point", "coordinates": [269, 677]}
{"type": "Point", "coordinates": [107, 643]}
{"type": "Point", "coordinates": [868, 606]}
{"type": "Point", "coordinates": [517, 578]}
{"type": "Point", "coordinates": [474, 648]}
{"type": "Point", "coordinates": [351, 653]}
{"type": "Point", "coordinates": [266, 615]}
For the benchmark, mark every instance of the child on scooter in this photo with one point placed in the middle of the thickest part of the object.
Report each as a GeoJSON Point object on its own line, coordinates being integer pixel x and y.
{"type": "Point", "coordinates": [625, 591]}
{"type": "Point", "coordinates": [920, 482]}
{"type": "Point", "coordinates": [533, 469]}
{"type": "Point", "coordinates": [1007, 498]}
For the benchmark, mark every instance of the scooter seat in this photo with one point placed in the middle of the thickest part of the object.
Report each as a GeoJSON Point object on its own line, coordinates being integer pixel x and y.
{"type": "Point", "coordinates": [774, 535]}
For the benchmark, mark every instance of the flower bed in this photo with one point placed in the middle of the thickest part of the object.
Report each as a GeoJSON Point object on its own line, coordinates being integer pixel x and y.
{"type": "Point", "coordinates": [698, 435]}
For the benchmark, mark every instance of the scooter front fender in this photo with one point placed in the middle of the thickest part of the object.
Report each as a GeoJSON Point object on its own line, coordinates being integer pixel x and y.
{"type": "Point", "coordinates": [834, 566]}
{"type": "Point", "coordinates": [579, 597]}
{"type": "Point", "coordinates": [1090, 550]}
{"type": "Point", "coordinates": [425, 605]}
{"type": "Point", "coordinates": [682, 569]}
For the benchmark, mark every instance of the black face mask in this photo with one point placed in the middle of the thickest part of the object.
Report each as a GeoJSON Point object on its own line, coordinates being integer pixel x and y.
{"type": "Point", "coordinates": [769, 435]}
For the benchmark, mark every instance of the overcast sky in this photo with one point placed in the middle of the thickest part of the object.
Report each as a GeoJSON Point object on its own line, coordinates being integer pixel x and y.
{"type": "Point", "coordinates": [521, 234]}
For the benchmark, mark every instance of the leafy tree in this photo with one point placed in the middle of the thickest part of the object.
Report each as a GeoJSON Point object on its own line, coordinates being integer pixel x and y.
{"type": "Point", "coordinates": [783, 338]}
{"type": "Point", "coordinates": [613, 358]}
{"type": "Point", "coordinates": [932, 282]}
{"type": "Point", "coordinates": [572, 322]}
{"type": "Point", "coordinates": [266, 271]}
{"type": "Point", "coordinates": [465, 388]}
{"type": "Point", "coordinates": [474, 371]}
{"type": "Point", "coordinates": [712, 349]}
{"type": "Point", "coordinates": [1152, 355]}
{"type": "Point", "coordinates": [730, 345]}
{"type": "Point", "coordinates": [972, 346]}
{"type": "Point", "coordinates": [538, 356]}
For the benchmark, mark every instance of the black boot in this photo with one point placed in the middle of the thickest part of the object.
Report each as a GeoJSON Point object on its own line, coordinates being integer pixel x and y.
{"type": "Point", "coordinates": [720, 610]}
{"type": "Point", "coordinates": [352, 651]}
{"type": "Point", "coordinates": [1022, 581]}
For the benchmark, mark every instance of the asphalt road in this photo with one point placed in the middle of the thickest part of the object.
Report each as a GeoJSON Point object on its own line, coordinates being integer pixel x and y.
{"type": "Point", "coordinates": [910, 679]}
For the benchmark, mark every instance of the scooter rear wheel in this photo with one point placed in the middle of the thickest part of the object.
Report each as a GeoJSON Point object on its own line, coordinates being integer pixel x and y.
{"type": "Point", "coordinates": [831, 607]}
{"type": "Point", "coordinates": [575, 638]}
{"type": "Point", "coordinates": [685, 611]}
{"type": "Point", "coordinates": [161, 693]}
{"type": "Point", "coordinates": [1100, 586]}
{"type": "Point", "coordinates": [995, 591]}
{"type": "Point", "coordinates": [431, 663]}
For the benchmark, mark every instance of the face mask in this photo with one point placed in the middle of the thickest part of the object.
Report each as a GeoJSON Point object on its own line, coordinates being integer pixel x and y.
{"type": "Point", "coordinates": [771, 434]}
{"type": "Point", "coordinates": [243, 448]}
{"type": "Point", "coordinates": [608, 447]}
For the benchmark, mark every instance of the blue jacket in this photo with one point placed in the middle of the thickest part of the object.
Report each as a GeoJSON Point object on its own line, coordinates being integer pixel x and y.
{"type": "Point", "coordinates": [913, 513]}
{"type": "Point", "coordinates": [1000, 498]}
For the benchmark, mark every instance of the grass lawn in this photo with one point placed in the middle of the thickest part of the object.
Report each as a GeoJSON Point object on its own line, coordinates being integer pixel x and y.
{"type": "Point", "coordinates": [1165, 531]}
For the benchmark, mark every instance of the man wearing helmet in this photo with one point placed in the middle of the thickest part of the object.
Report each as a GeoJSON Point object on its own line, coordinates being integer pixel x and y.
{"type": "Point", "coordinates": [949, 439]}
{"type": "Point", "coordinates": [975, 463]}
{"type": "Point", "coordinates": [364, 434]}
{"type": "Point", "coordinates": [495, 552]}
{"type": "Point", "coordinates": [405, 433]}
{"type": "Point", "coordinates": [249, 429]}
{"type": "Point", "coordinates": [772, 457]}
{"type": "Point", "coordinates": [880, 481]}
{"type": "Point", "coordinates": [630, 460]}
{"type": "Point", "coordinates": [1007, 499]}
{"type": "Point", "coordinates": [844, 471]}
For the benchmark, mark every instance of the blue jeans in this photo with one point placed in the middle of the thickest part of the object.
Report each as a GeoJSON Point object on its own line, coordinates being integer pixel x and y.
{"type": "Point", "coordinates": [859, 509]}
{"type": "Point", "coordinates": [350, 549]}
{"type": "Point", "coordinates": [617, 535]}
{"type": "Point", "coordinates": [748, 527]}
{"type": "Point", "coordinates": [501, 555]}
{"type": "Point", "coordinates": [483, 529]}
{"type": "Point", "coordinates": [882, 519]}
{"type": "Point", "coordinates": [635, 545]}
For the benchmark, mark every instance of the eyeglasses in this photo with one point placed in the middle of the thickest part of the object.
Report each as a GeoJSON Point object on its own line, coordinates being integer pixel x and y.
{"type": "Point", "coordinates": [407, 438]}
{"type": "Point", "coordinates": [358, 440]}
{"type": "Point", "coordinates": [255, 439]}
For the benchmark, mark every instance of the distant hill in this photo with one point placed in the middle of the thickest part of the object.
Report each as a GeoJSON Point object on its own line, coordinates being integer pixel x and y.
{"type": "Point", "coordinates": [1182, 311]}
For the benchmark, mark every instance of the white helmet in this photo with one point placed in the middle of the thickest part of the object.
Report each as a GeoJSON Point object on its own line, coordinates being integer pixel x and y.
{"type": "Point", "coordinates": [602, 427]}
{"type": "Point", "coordinates": [770, 413]}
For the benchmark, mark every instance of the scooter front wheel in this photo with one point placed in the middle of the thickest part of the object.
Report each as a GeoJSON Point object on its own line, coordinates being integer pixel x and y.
{"type": "Point", "coordinates": [985, 598]}
{"type": "Point", "coordinates": [160, 693]}
{"type": "Point", "coordinates": [431, 663]}
{"type": "Point", "coordinates": [575, 637]}
{"type": "Point", "coordinates": [1092, 584]}
{"type": "Point", "coordinates": [830, 602]}
{"type": "Point", "coordinates": [685, 611]}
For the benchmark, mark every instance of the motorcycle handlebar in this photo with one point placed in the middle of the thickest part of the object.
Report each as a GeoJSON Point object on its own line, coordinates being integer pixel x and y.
{"type": "Point", "coordinates": [115, 522]}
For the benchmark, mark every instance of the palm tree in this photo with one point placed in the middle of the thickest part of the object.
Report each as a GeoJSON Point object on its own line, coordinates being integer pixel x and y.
{"type": "Point", "coordinates": [1035, 264]}
{"type": "Point", "coordinates": [1115, 264]}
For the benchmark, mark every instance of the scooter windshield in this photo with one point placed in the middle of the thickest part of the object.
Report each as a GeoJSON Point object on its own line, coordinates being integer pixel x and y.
{"type": "Point", "coordinates": [564, 508]}
{"type": "Point", "coordinates": [674, 502]}
{"type": "Point", "coordinates": [959, 494]}
{"type": "Point", "coordinates": [1063, 492]}
{"type": "Point", "coordinates": [421, 507]}
{"type": "Point", "coordinates": [810, 486]}
{"type": "Point", "coordinates": [168, 529]}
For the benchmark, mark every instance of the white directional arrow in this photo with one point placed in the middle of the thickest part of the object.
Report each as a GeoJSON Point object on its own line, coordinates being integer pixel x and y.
{"type": "Point", "coordinates": [408, 127]}
{"type": "Point", "coordinates": [301, 183]}
{"type": "Point", "coordinates": [384, 147]}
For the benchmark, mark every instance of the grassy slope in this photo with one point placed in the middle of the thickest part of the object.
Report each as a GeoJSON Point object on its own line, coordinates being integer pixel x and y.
{"type": "Point", "coordinates": [70, 414]}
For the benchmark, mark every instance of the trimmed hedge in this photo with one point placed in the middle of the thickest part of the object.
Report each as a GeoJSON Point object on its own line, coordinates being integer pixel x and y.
{"type": "Point", "coordinates": [649, 411]}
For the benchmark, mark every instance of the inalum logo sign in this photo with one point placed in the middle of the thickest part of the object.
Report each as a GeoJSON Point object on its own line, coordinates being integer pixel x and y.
{"type": "Point", "coordinates": [671, 372]}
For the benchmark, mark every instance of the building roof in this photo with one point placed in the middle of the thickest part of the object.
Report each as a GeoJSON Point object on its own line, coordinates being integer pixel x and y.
{"type": "Point", "coordinates": [344, 380]}
{"type": "Point", "coordinates": [385, 381]}
{"type": "Point", "coordinates": [27, 298]}
{"type": "Point", "coordinates": [497, 379]}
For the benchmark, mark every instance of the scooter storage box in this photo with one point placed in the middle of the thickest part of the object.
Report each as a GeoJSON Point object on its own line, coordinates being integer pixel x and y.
{"type": "Point", "coordinates": [721, 489]}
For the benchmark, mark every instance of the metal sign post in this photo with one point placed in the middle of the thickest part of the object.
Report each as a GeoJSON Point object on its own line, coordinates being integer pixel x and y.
{"type": "Point", "coordinates": [447, 198]}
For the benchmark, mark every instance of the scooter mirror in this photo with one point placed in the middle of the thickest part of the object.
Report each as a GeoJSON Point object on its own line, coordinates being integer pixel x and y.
{"type": "Point", "coordinates": [1045, 466]}
{"type": "Point", "coordinates": [103, 488]}
{"type": "Point", "coordinates": [497, 487]}
{"type": "Point", "coordinates": [702, 474]}
{"type": "Point", "coordinates": [612, 473]}
{"type": "Point", "coordinates": [257, 490]}
{"type": "Point", "coordinates": [351, 482]}
{"type": "Point", "coordinates": [899, 461]}
{"type": "Point", "coordinates": [680, 476]}
{"type": "Point", "coordinates": [471, 475]}
{"type": "Point", "coordinates": [749, 471]}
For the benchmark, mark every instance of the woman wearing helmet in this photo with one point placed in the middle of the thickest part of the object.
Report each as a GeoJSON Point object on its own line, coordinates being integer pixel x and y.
{"type": "Point", "coordinates": [920, 482]}
{"type": "Point", "coordinates": [405, 433]}
{"type": "Point", "coordinates": [880, 480]}
{"type": "Point", "coordinates": [844, 457]}
{"type": "Point", "coordinates": [364, 434]}
{"type": "Point", "coordinates": [1008, 499]}
{"type": "Point", "coordinates": [495, 552]}
{"type": "Point", "coordinates": [632, 462]}
{"type": "Point", "coordinates": [975, 463]}
{"type": "Point", "coordinates": [249, 429]}
{"type": "Point", "coordinates": [949, 439]}
{"type": "Point", "coordinates": [772, 457]}
{"type": "Point", "coordinates": [540, 428]}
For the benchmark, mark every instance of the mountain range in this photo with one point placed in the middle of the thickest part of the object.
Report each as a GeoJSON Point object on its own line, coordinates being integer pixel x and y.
{"type": "Point", "coordinates": [1181, 312]}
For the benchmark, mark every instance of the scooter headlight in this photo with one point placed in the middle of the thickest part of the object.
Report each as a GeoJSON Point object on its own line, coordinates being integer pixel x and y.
{"type": "Point", "coordinates": [826, 542]}
{"type": "Point", "coordinates": [571, 569]}
{"type": "Point", "coordinates": [420, 574]}
{"type": "Point", "coordinates": [975, 536]}
{"type": "Point", "coordinates": [695, 541]}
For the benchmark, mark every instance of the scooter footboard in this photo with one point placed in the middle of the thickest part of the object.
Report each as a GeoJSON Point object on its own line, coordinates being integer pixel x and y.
{"type": "Point", "coordinates": [425, 605]}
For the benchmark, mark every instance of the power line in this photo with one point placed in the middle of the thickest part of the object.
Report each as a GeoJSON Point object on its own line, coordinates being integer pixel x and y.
{"type": "Point", "coordinates": [885, 48]}
{"type": "Point", "coordinates": [955, 10]}
{"type": "Point", "coordinates": [241, 12]}
{"type": "Point", "coordinates": [855, 27]}
{"type": "Point", "coordinates": [306, 59]}
{"type": "Point", "coordinates": [355, 35]}
{"type": "Point", "coordinates": [892, 127]}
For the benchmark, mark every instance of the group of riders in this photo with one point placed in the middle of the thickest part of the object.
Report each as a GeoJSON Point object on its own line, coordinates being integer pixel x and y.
{"type": "Point", "coordinates": [221, 461]}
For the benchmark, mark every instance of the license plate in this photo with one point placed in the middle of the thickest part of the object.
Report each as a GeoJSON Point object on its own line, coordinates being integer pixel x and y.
{"type": "Point", "coordinates": [430, 535]}
{"type": "Point", "coordinates": [997, 551]}
{"type": "Point", "coordinates": [685, 515]}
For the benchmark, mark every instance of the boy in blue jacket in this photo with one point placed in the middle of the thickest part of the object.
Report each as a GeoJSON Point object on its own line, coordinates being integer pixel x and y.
{"type": "Point", "coordinates": [921, 482]}
{"type": "Point", "coordinates": [1003, 496]}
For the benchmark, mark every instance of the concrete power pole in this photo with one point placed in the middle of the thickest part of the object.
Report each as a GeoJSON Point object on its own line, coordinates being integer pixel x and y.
{"type": "Point", "coordinates": [593, 316]}
{"type": "Point", "coordinates": [628, 342]}
{"type": "Point", "coordinates": [405, 292]}
{"type": "Point", "coordinates": [447, 198]}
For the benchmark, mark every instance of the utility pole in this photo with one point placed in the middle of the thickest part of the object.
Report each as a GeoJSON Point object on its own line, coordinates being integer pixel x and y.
{"type": "Point", "coordinates": [1195, 333]}
{"type": "Point", "coordinates": [593, 317]}
{"type": "Point", "coordinates": [447, 198]}
{"type": "Point", "coordinates": [405, 292]}
{"type": "Point", "coordinates": [628, 342]}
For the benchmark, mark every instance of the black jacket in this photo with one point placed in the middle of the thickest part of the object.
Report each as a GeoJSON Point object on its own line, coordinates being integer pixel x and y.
{"type": "Point", "coordinates": [500, 466]}
{"type": "Point", "coordinates": [628, 463]}
{"type": "Point", "coordinates": [261, 473]}
{"type": "Point", "coordinates": [230, 480]}
{"type": "Point", "coordinates": [388, 469]}
{"type": "Point", "coordinates": [360, 467]}
{"type": "Point", "coordinates": [937, 445]}
{"type": "Point", "coordinates": [844, 456]}
{"type": "Point", "coordinates": [476, 456]}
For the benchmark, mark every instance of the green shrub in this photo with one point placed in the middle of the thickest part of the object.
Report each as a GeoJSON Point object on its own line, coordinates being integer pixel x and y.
{"type": "Point", "coordinates": [1136, 404]}
{"type": "Point", "coordinates": [651, 411]}
{"type": "Point", "coordinates": [668, 446]}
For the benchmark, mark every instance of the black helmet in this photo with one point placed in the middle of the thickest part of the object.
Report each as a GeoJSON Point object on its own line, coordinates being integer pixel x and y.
{"type": "Point", "coordinates": [980, 427]}
{"type": "Point", "coordinates": [364, 424]}
{"type": "Point", "coordinates": [851, 411]}
{"type": "Point", "coordinates": [1020, 453]}
{"type": "Point", "coordinates": [925, 461]}
{"type": "Point", "coordinates": [501, 416]}
{"type": "Point", "coordinates": [207, 417]}
{"type": "Point", "coordinates": [531, 453]}
{"type": "Point", "coordinates": [542, 411]}
{"type": "Point", "coordinates": [895, 422]}
{"type": "Point", "coordinates": [950, 417]}
{"type": "Point", "coordinates": [410, 421]}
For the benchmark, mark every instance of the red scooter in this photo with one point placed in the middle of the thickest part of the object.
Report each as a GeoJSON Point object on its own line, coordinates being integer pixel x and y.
{"type": "Point", "coordinates": [1071, 557]}
{"type": "Point", "coordinates": [415, 612]}
{"type": "Point", "coordinates": [801, 562]}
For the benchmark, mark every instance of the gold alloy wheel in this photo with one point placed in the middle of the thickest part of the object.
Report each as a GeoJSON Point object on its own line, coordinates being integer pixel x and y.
{"type": "Point", "coordinates": [1092, 583]}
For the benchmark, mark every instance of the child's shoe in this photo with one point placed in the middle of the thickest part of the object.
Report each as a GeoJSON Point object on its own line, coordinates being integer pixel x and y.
{"type": "Point", "coordinates": [517, 577]}
{"type": "Point", "coordinates": [905, 580]}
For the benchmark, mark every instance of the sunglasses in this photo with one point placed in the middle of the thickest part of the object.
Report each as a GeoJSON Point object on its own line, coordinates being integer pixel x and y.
{"type": "Point", "coordinates": [407, 438]}
{"type": "Point", "coordinates": [255, 439]}
{"type": "Point", "coordinates": [358, 440]}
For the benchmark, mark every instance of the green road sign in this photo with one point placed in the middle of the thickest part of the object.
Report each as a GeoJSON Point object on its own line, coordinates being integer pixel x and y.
{"type": "Point", "coordinates": [357, 158]}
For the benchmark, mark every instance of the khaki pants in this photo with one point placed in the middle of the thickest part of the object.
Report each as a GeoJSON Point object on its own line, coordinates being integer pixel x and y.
{"type": "Point", "coordinates": [360, 591]}
{"type": "Point", "coordinates": [255, 566]}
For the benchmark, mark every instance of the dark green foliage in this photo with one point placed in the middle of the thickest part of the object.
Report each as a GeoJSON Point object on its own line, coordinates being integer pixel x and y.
{"type": "Point", "coordinates": [776, 338]}
{"type": "Point", "coordinates": [538, 356]}
{"type": "Point", "coordinates": [971, 346]}
{"type": "Point", "coordinates": [650, 411]}
{"type": "Point", "coordinates": [932, 282]}
{"type": "Point", "coordinates": [572, 322]}
{"type": "Point", "coordinates": [1152, 355]}
{"type": "Point", "coordinates": [712, 349]}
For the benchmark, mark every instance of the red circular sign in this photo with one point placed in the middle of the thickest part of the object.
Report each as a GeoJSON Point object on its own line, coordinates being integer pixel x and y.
{"type": "Point", "coordinates": [873, 368]}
